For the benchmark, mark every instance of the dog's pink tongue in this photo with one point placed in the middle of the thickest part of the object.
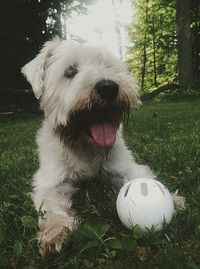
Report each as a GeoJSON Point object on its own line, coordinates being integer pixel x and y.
{"type": "Point", "coordinates": [104, 134]}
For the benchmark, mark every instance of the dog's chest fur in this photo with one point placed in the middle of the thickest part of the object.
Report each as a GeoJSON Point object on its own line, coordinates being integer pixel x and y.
{"type": "Point", "coordinates": [73, 162]}
{"type": "Point", "coordinates": [83, 163]}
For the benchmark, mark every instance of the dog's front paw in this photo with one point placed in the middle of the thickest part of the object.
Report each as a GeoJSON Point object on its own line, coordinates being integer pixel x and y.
{"type": "Point", "coordinates": [53, 231]}
{"type": "Point", "coordinates": [179, 201]}
{"type": "Point", "coordinates": [51, 241]}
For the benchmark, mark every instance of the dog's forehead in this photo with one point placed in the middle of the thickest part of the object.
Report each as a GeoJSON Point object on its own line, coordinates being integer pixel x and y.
{"type": "Point", "coordinates": [73, 53]}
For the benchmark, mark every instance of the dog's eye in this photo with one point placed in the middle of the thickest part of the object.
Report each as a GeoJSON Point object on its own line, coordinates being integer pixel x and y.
{"type": "Point", "coordinates": [71, 71]}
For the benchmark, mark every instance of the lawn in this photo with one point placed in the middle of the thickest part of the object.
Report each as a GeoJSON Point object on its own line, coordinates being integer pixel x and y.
{"type": "Point", "coordinates": [166, 135]}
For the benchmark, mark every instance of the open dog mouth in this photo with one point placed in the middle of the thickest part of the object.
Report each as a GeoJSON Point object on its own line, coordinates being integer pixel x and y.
{"type": "Point", "coordinates": [97, 124]}
{"type": "Point", "coordinates": [103, 133]}
{"type": "Point", "coordinates": [101, 126]}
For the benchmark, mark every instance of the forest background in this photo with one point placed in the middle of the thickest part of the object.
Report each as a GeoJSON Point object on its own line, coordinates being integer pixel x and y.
{"type": "Point", "coordinates": [164, 41]}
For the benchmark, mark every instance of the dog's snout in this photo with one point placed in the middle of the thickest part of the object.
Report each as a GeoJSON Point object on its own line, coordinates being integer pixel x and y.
{"type": "Point", "coordinates": [107, 89]}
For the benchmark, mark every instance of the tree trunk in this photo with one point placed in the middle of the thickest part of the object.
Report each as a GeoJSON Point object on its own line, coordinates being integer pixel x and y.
{"type": "Point", "coordinates": [154, 54]}
{"type": "Point", "coordinates": [58, 16]}
{"type": "Point", "coordinates": [185, 70]}
{"type": "Point", "coordinates": [144, 51]}
{"type": "Point", "coordinates": [118, 30]}
{"type": "Point", "coordinates": [195, 11]}
{"type": "Point", "coordinates": [144, 63]}
{"type": "Point", "coordinates": [167, 88]}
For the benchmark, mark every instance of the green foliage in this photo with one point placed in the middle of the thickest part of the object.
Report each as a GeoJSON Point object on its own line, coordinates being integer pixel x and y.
{"type": "Point", "coordinates": [24, 32]}
{"type": "Point", "coordinates": [155, 22]}
{"type": "Point", "coordinates": [164, 135]}
{"type": "Point", "coordinates": [155, 57]}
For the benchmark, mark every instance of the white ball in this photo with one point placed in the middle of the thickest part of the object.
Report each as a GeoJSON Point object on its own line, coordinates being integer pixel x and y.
{"type": "Point", "coordinates": [145, 202]}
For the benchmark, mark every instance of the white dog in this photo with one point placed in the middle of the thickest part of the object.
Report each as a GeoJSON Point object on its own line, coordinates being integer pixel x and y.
{"type": "Point", "coordinates": [85, 93]}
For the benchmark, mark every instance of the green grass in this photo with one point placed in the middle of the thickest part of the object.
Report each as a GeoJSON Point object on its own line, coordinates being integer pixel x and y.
{"type": "Point", "coordinates": [166, 136]}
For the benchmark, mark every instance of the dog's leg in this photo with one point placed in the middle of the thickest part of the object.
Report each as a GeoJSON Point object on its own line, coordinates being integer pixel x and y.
{"type": "Point", "coordinates": [121, 161]}
{"type": "Point", "coordinates": [56, 219]}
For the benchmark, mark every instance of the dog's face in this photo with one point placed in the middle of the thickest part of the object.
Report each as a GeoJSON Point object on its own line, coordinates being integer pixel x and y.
{"type": "Point", "coordinates": [85, 91]}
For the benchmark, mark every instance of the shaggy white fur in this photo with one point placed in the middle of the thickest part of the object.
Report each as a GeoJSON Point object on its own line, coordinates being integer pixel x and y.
{"type": "Point", "coordinates": [85, 93]}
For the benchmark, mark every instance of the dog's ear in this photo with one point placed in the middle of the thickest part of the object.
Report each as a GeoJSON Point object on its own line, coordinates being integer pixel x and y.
{"type": "Point", "coordinates": [34, 70]}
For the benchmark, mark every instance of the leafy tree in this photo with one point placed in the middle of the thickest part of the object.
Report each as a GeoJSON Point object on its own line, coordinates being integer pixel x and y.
{"type": "Point", "coordinates": [166, 43]}
{"type": "Point", "coordinates": [24, 26]}
{"type": "Point", "coordinates": [153, 55]}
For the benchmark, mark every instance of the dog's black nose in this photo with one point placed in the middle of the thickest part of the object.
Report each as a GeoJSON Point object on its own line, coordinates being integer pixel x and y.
{"type": "Point", "coordinates": [107, 89]}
